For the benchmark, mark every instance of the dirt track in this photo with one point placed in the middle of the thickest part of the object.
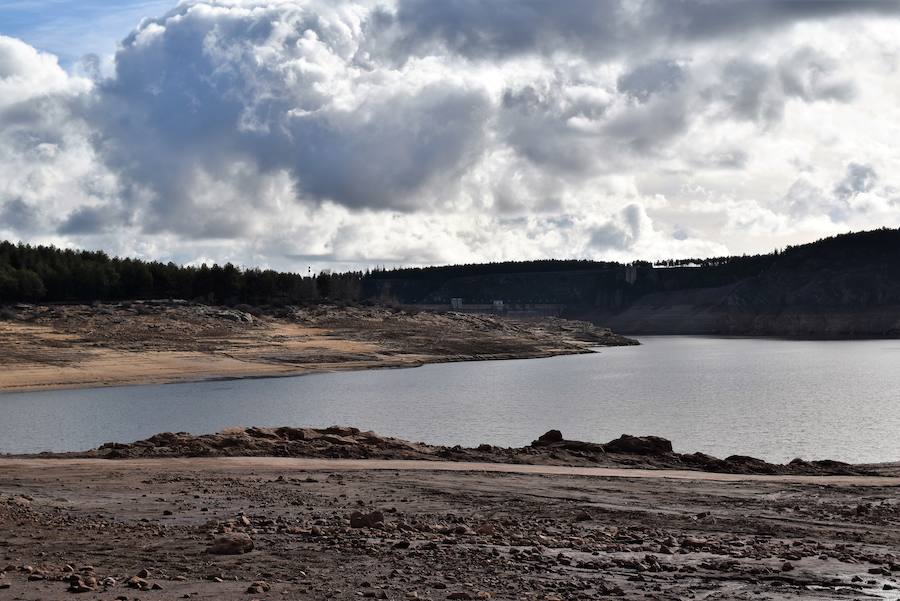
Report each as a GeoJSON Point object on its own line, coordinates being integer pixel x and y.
{"type": "Point", "coordinates": [445, 531]}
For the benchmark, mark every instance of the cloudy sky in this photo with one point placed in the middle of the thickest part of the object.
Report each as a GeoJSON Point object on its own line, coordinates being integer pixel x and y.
{"type": "Point", "coordinates": [334, 133]}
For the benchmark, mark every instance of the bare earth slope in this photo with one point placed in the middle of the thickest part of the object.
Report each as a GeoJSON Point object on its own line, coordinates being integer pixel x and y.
{"type": "Point", "coordinates": [164, 341]}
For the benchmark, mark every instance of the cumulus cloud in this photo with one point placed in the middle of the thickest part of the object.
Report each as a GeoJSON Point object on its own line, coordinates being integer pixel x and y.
{"type": "Point", "coordinates": [410, 131]}
{"type": "Point", "coordinates": [855, 199]}
{"type": "Point", "coordinates": [48, 165]}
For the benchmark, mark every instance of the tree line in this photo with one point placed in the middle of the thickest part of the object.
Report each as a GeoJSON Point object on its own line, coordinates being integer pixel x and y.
{"type": "Point", "coordinates": [46, 273]}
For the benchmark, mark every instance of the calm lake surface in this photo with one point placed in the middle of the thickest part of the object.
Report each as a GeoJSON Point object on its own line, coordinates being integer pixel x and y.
{"type": "Point", "coordinates": [771, 399]}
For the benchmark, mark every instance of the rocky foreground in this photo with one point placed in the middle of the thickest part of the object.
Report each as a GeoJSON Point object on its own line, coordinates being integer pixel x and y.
{"type": "Point", "coordinates": [551, 448]}
{"type": "Point", "coordinates": [229, 528]}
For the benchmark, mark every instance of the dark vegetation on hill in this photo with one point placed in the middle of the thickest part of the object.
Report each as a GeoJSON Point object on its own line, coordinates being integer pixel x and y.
{"type": "Point", "coordinates": [813, 289]}
{"type": "Point", "coordinates": [45, 273]}
{"type": "Point", "coordinates": [775, 278]}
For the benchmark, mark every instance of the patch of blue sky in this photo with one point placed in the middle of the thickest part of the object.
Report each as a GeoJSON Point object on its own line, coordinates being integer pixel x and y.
{"type": "Point", "coordinates": [71, 29]}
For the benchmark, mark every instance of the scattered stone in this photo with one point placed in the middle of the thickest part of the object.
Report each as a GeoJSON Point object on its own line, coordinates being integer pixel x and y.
{"type": "Point", "coordinates": [138, 583]}
{"type": "Point", "coordinates": [234, 543]}
{"type": "Point", "coordinates": [374, 519]}
{"type": "Point", "coordinates": [81, 584]}
{"type": "Point", "coordinates": [259, 587]}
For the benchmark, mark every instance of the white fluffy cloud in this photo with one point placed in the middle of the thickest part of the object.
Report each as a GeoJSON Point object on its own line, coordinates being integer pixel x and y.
{"type": "Point", "coordinates": [341, 133]}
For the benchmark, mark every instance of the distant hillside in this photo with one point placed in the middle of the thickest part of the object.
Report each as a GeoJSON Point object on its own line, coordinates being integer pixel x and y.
{"type": "Point", "coordinates": [844, 286]}
{"type": "Point", "coordinates": [45, 273]}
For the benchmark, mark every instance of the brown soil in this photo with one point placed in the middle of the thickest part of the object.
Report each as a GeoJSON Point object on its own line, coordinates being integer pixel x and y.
{"type": "Point", "coordinates": [65, 346]}
{"type": "Point", "coordinates": [427, 530]}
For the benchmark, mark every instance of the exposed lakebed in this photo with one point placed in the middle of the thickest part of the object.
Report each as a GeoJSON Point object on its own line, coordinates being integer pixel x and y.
{"type": "Point", "coordinates": [772, 399]}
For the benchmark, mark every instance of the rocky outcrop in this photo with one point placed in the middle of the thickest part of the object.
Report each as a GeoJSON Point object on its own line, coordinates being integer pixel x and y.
{"type": "Point", "coordinates": [551, 448]}
{"type": "Point", "coordinates": [639, 445]}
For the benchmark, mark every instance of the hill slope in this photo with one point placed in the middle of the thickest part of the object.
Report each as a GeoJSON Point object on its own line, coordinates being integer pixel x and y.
{"type": "Point", "coordinates": [840, 287]}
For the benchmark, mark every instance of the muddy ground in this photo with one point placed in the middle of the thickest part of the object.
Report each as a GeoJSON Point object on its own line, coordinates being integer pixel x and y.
{"type": "Point", "coordinates": [338, 529]}
{"type": "Point", "coordinates": [143, 342]}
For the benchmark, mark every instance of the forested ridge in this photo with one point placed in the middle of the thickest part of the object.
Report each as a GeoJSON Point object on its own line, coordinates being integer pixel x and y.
{"type": "Point", "coordinates": [867, 262]}
{"type": "Point", "coordinates": [45, 273]}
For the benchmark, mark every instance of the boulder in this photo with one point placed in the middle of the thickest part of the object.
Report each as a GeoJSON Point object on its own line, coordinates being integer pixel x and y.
{"type": "Point", "coordinates": [234, 543]}
{"type": "Point", "coordinates": [366, 520]}
{"type": "Point", "coordinates": [548, 437]}
{"type": "Point", "coordinates": [639, 445]}
{"type": "Point", "coordinates": [743, 464]}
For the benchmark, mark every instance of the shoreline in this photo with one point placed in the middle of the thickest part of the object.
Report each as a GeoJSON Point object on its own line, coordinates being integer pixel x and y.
{"type": "Point", "coordinates": [289, 464]}
{"type": "Point", "coordinates": [61, 347]}
{"type": "Point", "coordinates": [276, 372]}
{"type": "Point", "coordinates": [345, 443]}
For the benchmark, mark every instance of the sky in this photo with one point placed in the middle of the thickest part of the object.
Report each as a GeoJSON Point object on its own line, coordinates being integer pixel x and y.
{"type": "Point", "coordinates": [355, 133]}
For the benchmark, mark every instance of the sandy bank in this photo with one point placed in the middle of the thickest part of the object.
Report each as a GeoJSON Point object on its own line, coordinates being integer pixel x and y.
{"type": "Point", "coordinates": [47, 347]}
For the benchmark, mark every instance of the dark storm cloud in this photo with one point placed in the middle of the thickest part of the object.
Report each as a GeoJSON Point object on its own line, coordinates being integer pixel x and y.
{"type": "Point", "coordinates": [811, 75]}
{"type": "Point", "coordinates": [598, 28]}
{"type": "Point", "coordinates": [193, 97]}
{"type": "Point", "coordinates": [649, 126]}
{"type": "Point", "coordinates": [804, 199]}
{"type": "Point", "coordinates": [651, 78]}
{"type": "Point", "coordinates": [88, 221]}
{"type": "Point", "coordinates": [535, 123]}
{"type": "Point", "coordinates": [621, 232]}
{"type": "Point", "coordinates": [17, 215]}
{"type": "Point", "coordinates": [755, 91]}
{"type": "Point", "coordinates": [609, 236]}
{"type": "Point", "coordinates": [381, 162]}
{"type": "Point", "coordinates": [745, 86]}
{"type": "Point", "coordinates": [859, 178]}
{"type": "Point", "coordinates": [733, 158]}
{"type": "Point", "coordinates": [213, 93]}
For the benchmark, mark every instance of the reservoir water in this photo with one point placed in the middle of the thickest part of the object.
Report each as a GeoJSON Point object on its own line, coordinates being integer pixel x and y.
{"type": "Point", "coordinates": [772, 399]}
